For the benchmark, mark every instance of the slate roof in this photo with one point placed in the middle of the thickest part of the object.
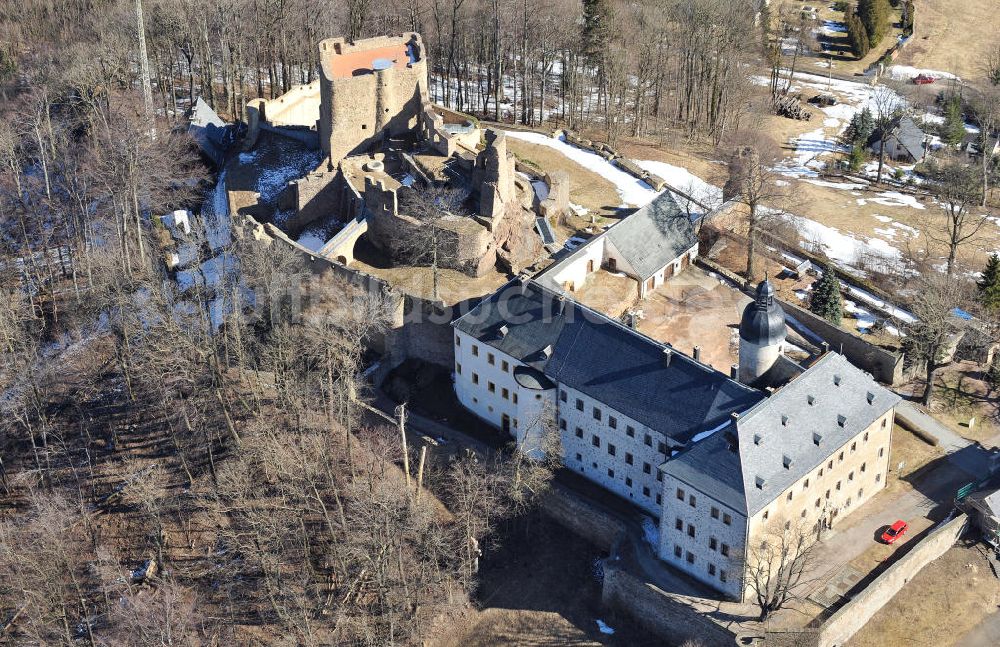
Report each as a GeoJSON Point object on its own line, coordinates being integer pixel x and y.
{"type": "Point", "coordinates": [837, 388]}
{"type": "Point", "coordinates": [907, 134]}
{"type": "Point", "coordinates": [607, 361]}
{"type": "Point", "coordinates": [654, 235]}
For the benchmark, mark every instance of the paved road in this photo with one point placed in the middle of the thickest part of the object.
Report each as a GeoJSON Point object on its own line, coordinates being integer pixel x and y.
{"type": "Point", "coordinates": [986, 634]}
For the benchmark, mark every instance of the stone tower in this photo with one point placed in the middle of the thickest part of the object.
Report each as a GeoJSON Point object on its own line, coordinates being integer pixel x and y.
{"type": "Point", "coordinates": [762, 334]}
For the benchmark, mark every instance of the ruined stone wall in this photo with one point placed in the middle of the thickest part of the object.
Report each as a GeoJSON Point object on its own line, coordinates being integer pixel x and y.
{"type": "Point", "coordinates": [356, 110]}
{"type": "Point", "coordinates": [493, 177]}
{"type": "Point", "coordinates": [297, 107]}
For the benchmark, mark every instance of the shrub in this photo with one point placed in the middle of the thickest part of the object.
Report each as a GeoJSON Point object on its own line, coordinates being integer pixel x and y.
{"type": "Point", "coordinates": [856, 158]}
{"type": "Point", "coordinates": [857, 36]}
{"type": "Point", "coordinates": [874, 15]}
{"type": "Point", "coordinates": [841, 6]}
{"type": "Point", "coordinates": [825, 300]}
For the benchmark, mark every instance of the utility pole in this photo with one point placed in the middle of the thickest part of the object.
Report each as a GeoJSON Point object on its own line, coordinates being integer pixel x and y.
{"type": "Point", "coordinates": [401, 412]}
{"type": "Point", "coordinates": [147, 87]}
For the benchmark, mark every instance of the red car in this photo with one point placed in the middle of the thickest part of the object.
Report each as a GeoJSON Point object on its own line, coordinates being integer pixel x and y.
{"type": "Point", "coordinates": [923, 79]}
{"type": "Point", "coordinates": [894, 532]}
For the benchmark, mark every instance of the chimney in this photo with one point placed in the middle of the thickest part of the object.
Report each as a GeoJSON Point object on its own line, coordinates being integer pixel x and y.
{"type": "Point", "coordinates": [502, 331]}
{"type": "Point", "coordinates": [735, 417]}
{"type": "Point", "coordinates": [826, 347]}
{"type": "Point", "coordinates": [734, 371]}
{"type": "Point", "coordinates": [547, 351]}
{"type": "Point", "coordinates": [667, 355]}
{"type": "Point", "coordinates": [560, 304]}
{"type": "Point", "coordinates": [697, 353]}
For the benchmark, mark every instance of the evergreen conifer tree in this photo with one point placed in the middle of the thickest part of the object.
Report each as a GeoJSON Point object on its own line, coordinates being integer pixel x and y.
{"type": "Point", "coordinates": [953, 131]}
{"type": "Point", "coordinates": [989, 284]}
{"type": "Point", "coordinates": [825, 299]}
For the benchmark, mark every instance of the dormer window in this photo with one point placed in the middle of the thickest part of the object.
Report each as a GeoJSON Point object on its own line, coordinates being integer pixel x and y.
{"type": "Point", "coordinates": [502, 331]}
{"type": "Point", "coordinates": [786, 461]}
{"type": "Point", "coordinates": [836, 380]}
{"type": "Point", "coordinates": [784, 421]}
{"type": "Point", "coordinates": [871, 397]}
{"type": "Point", "coordinates": [760, 483]}
{"type": "Point", "coordinates": [811, 399]}
{"type": "Point", "coordinates": [757, 439]}
{"type": "Point", "coordinates": [817, 439]}
{"type": "Point", "coordinates": [841, 420]}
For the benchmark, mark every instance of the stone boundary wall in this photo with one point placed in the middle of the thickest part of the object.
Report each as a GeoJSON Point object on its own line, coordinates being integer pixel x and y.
{"type": "Point", "coordinates": [676, 618]}
{"type": "Point", "coordinates": [842, 625]}
{"type": "Point", "coordinates": [885, 366]}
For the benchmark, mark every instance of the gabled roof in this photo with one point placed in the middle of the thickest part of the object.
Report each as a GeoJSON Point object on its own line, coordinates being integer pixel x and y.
{"type": "Point", "coordinates": [627, 371]}
{"type": "Point", "coordinates": [654, 235]}
{"type": "Point", "coordinates": [832, 399]}
{"type": "Point", "coordinates": [910, 137]}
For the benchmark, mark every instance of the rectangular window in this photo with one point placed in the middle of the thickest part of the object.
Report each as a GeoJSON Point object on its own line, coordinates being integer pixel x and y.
{"type": "Point", "coordinates": [630, 431]}
{"type": "Point", "coordinates": [514, 398]}
{"type": "Point", "coordinates": [628, 481]}
{"type": "Point", "coordinates": [579, 404]}
{"type": "Point", "coordinates": [691, 500]}
{"type": "Point", "coordinates": [475, 378]}
{"type": "Point", "coordinates": [863, 466]}
{"type": "Point", "coordinates": [881, 451]}
{"type": "Point", "coordinates": [611, 473]}
{"type": "Point", "coordinates": [678, 524]}
{"type": "Point", "coordinates": [458, 341]}
{"type": "Point", "coordinates": [475, 350]}
{"type": "Point", "coordinates": [491, 359]}
{"type": "Point", "coordinates": [854, 446]}
{"type": "Point", "coordinates": [805, 486]}
{"type": "Point", "coordinates": [765, 515]}
{"type": "Point", "coordinates": [715, 512]}
{"type": "Point", "coordinates": [866, 437]}
{"type": "Point", "coordinates": [661, 447]}
{"type": "Point", "coordinates": [648, 440]}
{"type": "Point", "coordinates": [647, 468]}
{"type": "Point", "coordinates": [659, 476]}
{"type": "Point", "coordinates": [711, 569]}
{"type": "Point", "coordinates": [579, 432]}
{"type": "Point", "coordinates": [725, 550]}
{"type": "Point", "coordinates": [611, 449]}
{"type": "Point", "coordinates": [850, 476]}
{"type": "Point", "coordinates": [491, 387]}
{"type": "Point", "coordinates": [504, 366]}
{"type": "Point", "coordinates": [677, 551]}
{"type": "Point", "coordinates": [713, 543]}
{"type": "Point", "coordinates": [613, 422]}
{"type": "Point", "coordinates": [562, 423]}
{"type": "Point", "coordinates": [659, 499]}
{"type": "Point", "coordinates": [690, 530]}
{"type": "Point", "coordinates": [690, 557]}
{"type": "Point", "coordinates": [579, 458]}
{"type": "Point", "coordinates": [505, 394]}
{"type": "Point", "coordinates": [722, 575]}
{"type": "Point", "coordinates": [680, 494]}
{"type": "Point", "coordinates": [878, 478]}
{"type": "Point", "coordinates": [645, 491]}
{"type": "Point", "coordinates": [726, 519]}
{"type": "Point", "coordinates": [595, 440]}
{"type": "Point", "coordinates": [597, 413]}
{"type": "Point", "coordinates": [840, 459]}
{"type": "Point", "coordinates": [458, 368]}
{"type": "Point", "coordinates": [628, 458]}
{"type": "Point", "coordinates": [789, 497]}
{"type": "Point", "coordinates": [562, 396]}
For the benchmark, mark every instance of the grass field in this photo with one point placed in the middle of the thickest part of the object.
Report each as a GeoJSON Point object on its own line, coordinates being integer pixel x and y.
{"type": "Point", "coordinates": [954, 36]}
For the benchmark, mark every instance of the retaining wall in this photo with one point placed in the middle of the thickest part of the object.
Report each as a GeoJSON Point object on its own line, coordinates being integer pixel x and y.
{"type": "Point", "coordinates": [582, 517]}
{"type": "Point", "coordinates": [674, 617]}
{"type": "Point", "coordinates": [843, 624]}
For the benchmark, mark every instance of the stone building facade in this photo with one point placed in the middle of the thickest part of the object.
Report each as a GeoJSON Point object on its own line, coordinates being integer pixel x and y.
{"type": "Point", "coordinates": [812, 452]}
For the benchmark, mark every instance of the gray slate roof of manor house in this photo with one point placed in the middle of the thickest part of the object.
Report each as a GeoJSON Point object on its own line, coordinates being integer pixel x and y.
{"type": "Point", "coordinates": [654, 235]}
{"type": "Point", "coordinates": [832, 398]}
{"type": "Point", "coordinates": [613, 364]}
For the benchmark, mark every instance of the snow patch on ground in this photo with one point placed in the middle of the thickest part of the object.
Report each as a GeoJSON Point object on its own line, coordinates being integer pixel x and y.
{"type": "Point", "coordinates": [906, 72]}
{"type": "Point", "coordinates": [897, 199]}
{"type": "Point", "coordinates": [847, 186]}
{"type": "Point", "coordinates": [632, 190]}
{"type": "Point", "coordinates": [604, 628]}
